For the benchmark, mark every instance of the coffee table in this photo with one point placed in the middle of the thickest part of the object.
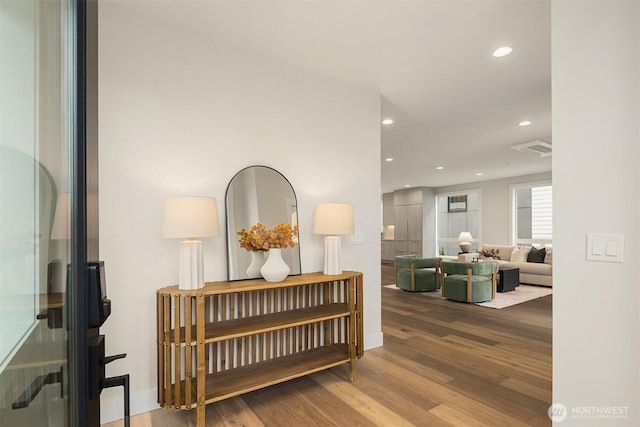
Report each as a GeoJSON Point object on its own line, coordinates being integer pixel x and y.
{"type": "Point", "coordinates": [508, 279]}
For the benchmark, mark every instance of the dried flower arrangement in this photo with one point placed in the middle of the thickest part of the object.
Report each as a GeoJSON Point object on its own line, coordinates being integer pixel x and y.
{"type": "Point", "coordinates": [260, 238]}
{"type": "Point", "coordinates": [490, 253]}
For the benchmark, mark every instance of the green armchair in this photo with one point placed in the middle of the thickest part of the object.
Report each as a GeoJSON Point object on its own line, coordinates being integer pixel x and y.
{"type": "Point", "coordinates": [469, 281]}
{"type": "Point", "coordinates": [417, 274]}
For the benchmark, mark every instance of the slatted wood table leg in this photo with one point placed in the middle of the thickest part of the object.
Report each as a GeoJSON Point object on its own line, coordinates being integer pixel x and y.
{"type": "Point", "coordinates": [209, 349]}
{"type": "Point", "coordinates": [360, 312]}
{"type": "Point", "coordinates": [167, 349]}
{"type": "Point", "coordinates": [327, 324]}
{"type": "Point", "coordinates": [200, 414]}
{"type": "Point", "coordinates": [352, 329]}
{"type": "Point", "coordinates": [215, 347]}
{"type": "Point", "coordinates": [176, 348]}
{"type": "Point", "coordinates": [160, 341]}
{"type": "Point", "coordinates": [188, 358]}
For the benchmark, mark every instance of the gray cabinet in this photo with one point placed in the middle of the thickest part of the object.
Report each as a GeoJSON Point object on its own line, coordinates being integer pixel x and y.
{"type": "Point", "coordinates": [411, 212]}
{"type": "Point", "coordinates": [388, 250]}
{"type": "Point", "coordinates": [408, 230]}
{"type": "Point", "coordinates": [408, 222]}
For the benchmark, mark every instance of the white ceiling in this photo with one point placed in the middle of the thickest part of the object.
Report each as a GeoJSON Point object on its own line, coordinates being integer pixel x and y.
{"type": "Point", "coordinates": [453, 103]}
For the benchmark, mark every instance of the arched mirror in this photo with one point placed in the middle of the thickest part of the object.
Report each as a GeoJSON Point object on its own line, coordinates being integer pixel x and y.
{"type": "Point", "coordinates": [258, 194]}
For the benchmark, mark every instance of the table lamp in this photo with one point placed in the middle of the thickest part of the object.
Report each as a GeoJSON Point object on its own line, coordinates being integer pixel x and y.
{"type": "Point", "coordinates": [465, 239]}
{"type": "Point", "coordinates": [333, 219]}
{"type": "Point", "coordinates": [190, 217]}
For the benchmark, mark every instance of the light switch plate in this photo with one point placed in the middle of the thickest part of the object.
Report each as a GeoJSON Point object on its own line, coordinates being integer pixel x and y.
{"type": "Point", "coordinates": [605, 247]}
{"type": "Point", "coordinates": [357, 239]}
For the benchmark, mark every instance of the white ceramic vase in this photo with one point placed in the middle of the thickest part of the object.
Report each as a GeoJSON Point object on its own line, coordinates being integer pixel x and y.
{"type": "Point", "coordinates": [274, 269]}
{"type": "Point", "coordinates": [257, 261]}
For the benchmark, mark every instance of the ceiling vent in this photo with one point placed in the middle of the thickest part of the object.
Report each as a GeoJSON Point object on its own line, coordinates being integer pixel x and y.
{"type": "Point", "coordinates": [541, 148]}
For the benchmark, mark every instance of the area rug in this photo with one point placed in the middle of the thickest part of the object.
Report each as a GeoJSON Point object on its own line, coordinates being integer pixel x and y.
{"type": "Point", "coordinates": [521, 294]}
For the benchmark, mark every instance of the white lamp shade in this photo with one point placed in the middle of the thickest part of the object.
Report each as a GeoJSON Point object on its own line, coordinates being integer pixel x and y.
{"type": "Point", "coordinates": [190, 217]}
{"type": "Point", "coordinates": [333, 218]}
{"type": "Point", "coordinates": [465, 236]}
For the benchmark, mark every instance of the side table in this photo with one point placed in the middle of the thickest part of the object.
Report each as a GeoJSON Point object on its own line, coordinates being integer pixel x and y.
{"type": "Point", "coordinates": [508, 279]}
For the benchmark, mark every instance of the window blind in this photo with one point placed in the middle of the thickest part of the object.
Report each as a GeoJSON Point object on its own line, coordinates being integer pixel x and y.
{"type": "Point", "coordinates": [541, 212]}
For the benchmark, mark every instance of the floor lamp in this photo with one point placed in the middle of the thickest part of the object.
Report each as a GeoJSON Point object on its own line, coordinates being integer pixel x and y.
{"type": "Point", "coordinates": [333, 219]}
{"type": "Point", "coordinates": [190, 217]}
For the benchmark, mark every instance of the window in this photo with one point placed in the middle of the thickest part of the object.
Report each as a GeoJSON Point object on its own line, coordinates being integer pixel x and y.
{"type": "Point", "coordinates": [457, 213]}
{"type": "Point", "coordinates": [457, 203]}
{"type": "Point", "coordinates": [532, 214]}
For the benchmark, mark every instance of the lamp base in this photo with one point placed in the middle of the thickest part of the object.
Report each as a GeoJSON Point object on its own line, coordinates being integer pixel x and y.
{"type": "Point", "coordinates": [332, 255]}
{"type": "Point", "coordinates": [465, 247]}
{"type": "Point", "coordinates": [191, 265]}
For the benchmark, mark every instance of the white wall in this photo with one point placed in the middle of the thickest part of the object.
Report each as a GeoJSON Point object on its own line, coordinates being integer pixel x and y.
{"type": "Point", "coordinates": [495, 204]}
{"type": "Point", "coordinates": [596, 139]}
{"type": "Point", "coordinates": [180, 115]}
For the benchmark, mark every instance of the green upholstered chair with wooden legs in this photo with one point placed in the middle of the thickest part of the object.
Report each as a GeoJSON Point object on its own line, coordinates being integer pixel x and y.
{"type": "Point", "coordinates": [417, 274]}
{"type": "Point", "coordinates": [469, 281]}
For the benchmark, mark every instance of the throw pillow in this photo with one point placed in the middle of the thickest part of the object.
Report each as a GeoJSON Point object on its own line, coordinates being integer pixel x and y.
{"type": "Point", "coordinates": [519, 254]}
{"type": "Point", "coordinates": [536, 255]}
{"type": "Point", "coordinates": [548, 257]}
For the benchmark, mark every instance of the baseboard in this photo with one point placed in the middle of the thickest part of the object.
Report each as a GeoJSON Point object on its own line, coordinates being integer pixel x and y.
{"type": "Point", "coordinates": [112, 406]}
{"type": "Point", "coordinates": [373, 340]}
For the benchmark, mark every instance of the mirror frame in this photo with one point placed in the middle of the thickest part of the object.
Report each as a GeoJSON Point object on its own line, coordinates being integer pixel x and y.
{"type": "Point", "coordinates": [232, 238]}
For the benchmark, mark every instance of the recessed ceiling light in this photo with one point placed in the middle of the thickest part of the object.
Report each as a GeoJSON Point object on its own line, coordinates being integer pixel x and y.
{"type": "Point", "coordinates": [524, 123]}
{"type": "Point", "coordinates": [388, 159]}
{"type": "Point", "coordinates": [387, 122]}
{"type": "Point", "coordinates": [502, 51]}
{"type": "Point", "coordinates": [440, 168]}
{"type": "Point", "coordinates": [407, 185]}
{"type": "Point", "coordinates": [479, 174]}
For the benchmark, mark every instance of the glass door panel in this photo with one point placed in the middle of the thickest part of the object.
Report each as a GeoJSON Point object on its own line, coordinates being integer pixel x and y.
{"type": "Point", "coordinates": [35, 120]}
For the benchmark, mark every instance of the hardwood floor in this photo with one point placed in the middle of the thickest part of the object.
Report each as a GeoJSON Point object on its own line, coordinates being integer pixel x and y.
{"type": "Point", "coordinates": [443, 364]}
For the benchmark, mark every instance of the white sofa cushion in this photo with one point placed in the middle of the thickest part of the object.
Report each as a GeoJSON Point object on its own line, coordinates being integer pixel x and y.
{"type": "Point", "coordinates": [548, 257]}
{"type": "Point", "coordinates": [519, 254]}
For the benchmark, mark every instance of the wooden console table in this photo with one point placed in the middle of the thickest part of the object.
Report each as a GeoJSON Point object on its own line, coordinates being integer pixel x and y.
{"type": "Point", "coordinates": [230, 338]}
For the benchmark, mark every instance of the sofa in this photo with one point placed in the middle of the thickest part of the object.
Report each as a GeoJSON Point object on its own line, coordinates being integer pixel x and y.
{"type": "Point", "coordinates": [536, 266]}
